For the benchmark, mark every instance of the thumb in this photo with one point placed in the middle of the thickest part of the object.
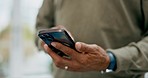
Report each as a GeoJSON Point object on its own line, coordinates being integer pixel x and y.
{"type": "Point", "coordinates": [82, 47]}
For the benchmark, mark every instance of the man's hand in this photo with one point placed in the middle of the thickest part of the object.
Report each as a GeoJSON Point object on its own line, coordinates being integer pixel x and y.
{"type": "Point", "coordinates": [89, 58]}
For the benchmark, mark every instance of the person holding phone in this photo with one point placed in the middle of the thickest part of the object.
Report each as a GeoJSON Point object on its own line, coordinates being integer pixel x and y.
{"type": "Point", "coordinates": [108, 34]}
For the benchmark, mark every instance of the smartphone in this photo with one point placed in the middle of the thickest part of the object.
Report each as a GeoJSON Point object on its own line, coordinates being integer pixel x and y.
{"type": "Point", "coordinates": [56, 35]}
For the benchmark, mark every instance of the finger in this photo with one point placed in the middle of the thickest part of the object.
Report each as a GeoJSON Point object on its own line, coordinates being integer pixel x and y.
{"type": "Point", "coordinates": [53, 55]}
{"type": "Point", "coordinates": [58, 27]}
{"type": "Point", "coordinates": [70, 52]}
{"type": "Point", "coordinates": [83, 47]}
{"type": "Point", "coordinates": [59, 61]}
{"type": "Point", "coordinates": [71, 64]}
{"type": "Point", "coordinates": [42, 43]}
{"type": "Point", "coordinates": [62, 63]}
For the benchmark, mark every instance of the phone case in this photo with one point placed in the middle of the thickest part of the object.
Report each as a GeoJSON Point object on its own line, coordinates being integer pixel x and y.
{"type": "Point", "coordinates": [56, 35]}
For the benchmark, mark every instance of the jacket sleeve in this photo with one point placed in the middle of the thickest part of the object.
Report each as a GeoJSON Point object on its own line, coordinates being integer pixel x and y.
{"type": "Point", "coordinates": [45, 18]}
{"type": "Point", "coordinates": [133, 58]}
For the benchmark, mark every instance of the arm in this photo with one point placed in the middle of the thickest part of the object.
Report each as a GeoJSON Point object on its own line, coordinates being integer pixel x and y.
{"type": "Point", "coordinates": [134, 57]}
{"type": "Point", "coordinates": [133, 60]}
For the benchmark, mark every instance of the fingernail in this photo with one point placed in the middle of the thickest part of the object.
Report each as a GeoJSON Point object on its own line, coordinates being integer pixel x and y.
{"type": "Point", "coordinates": [78, 45]}
{"type": "Point", "coordinates": [53, 44]}
{"type": "Point", "coordinates": [45, 45]}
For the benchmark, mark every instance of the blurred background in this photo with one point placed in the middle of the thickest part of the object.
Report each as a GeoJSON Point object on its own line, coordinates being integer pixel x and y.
{"type": "Point", "coordinates": [19, 57]}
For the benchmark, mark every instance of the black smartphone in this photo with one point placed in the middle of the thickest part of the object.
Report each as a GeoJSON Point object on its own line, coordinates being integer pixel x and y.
{"type": "Point", "coordinates": [56, 35]}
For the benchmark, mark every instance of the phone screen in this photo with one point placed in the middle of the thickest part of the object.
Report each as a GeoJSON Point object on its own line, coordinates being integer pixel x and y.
{"type": "Point", "coordinates": [61, 36]}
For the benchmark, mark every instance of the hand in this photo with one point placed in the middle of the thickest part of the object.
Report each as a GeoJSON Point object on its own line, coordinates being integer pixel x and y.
{"type": "Point", "coordinates": [89, 58]}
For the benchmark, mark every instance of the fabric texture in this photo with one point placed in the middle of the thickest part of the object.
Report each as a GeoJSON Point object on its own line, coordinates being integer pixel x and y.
{"type": "Point", "coordinates": [120, 26]}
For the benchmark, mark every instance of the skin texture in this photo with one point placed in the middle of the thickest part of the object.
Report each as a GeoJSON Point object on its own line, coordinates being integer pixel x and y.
{"type": "Point", "coordinates": [88, 57]}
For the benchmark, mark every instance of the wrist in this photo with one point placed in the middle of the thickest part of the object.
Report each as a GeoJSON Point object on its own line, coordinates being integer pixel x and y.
{"type": "Point", "coordinates": [112, 64]}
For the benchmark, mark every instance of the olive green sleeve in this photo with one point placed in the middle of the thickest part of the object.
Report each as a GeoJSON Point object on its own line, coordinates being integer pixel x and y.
{"type": "Point", "coordinates": [133, 58]}
{"type": "Point", "coordinates": [45, 18]}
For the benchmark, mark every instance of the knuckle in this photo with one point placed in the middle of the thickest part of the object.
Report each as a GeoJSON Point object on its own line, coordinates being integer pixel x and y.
{"type": "Point", "coordinates": [95, 45]}
{"type": "Point", "coordinates": [83, 60]}
{"type": "Point", "coordinates": [84, 48]}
